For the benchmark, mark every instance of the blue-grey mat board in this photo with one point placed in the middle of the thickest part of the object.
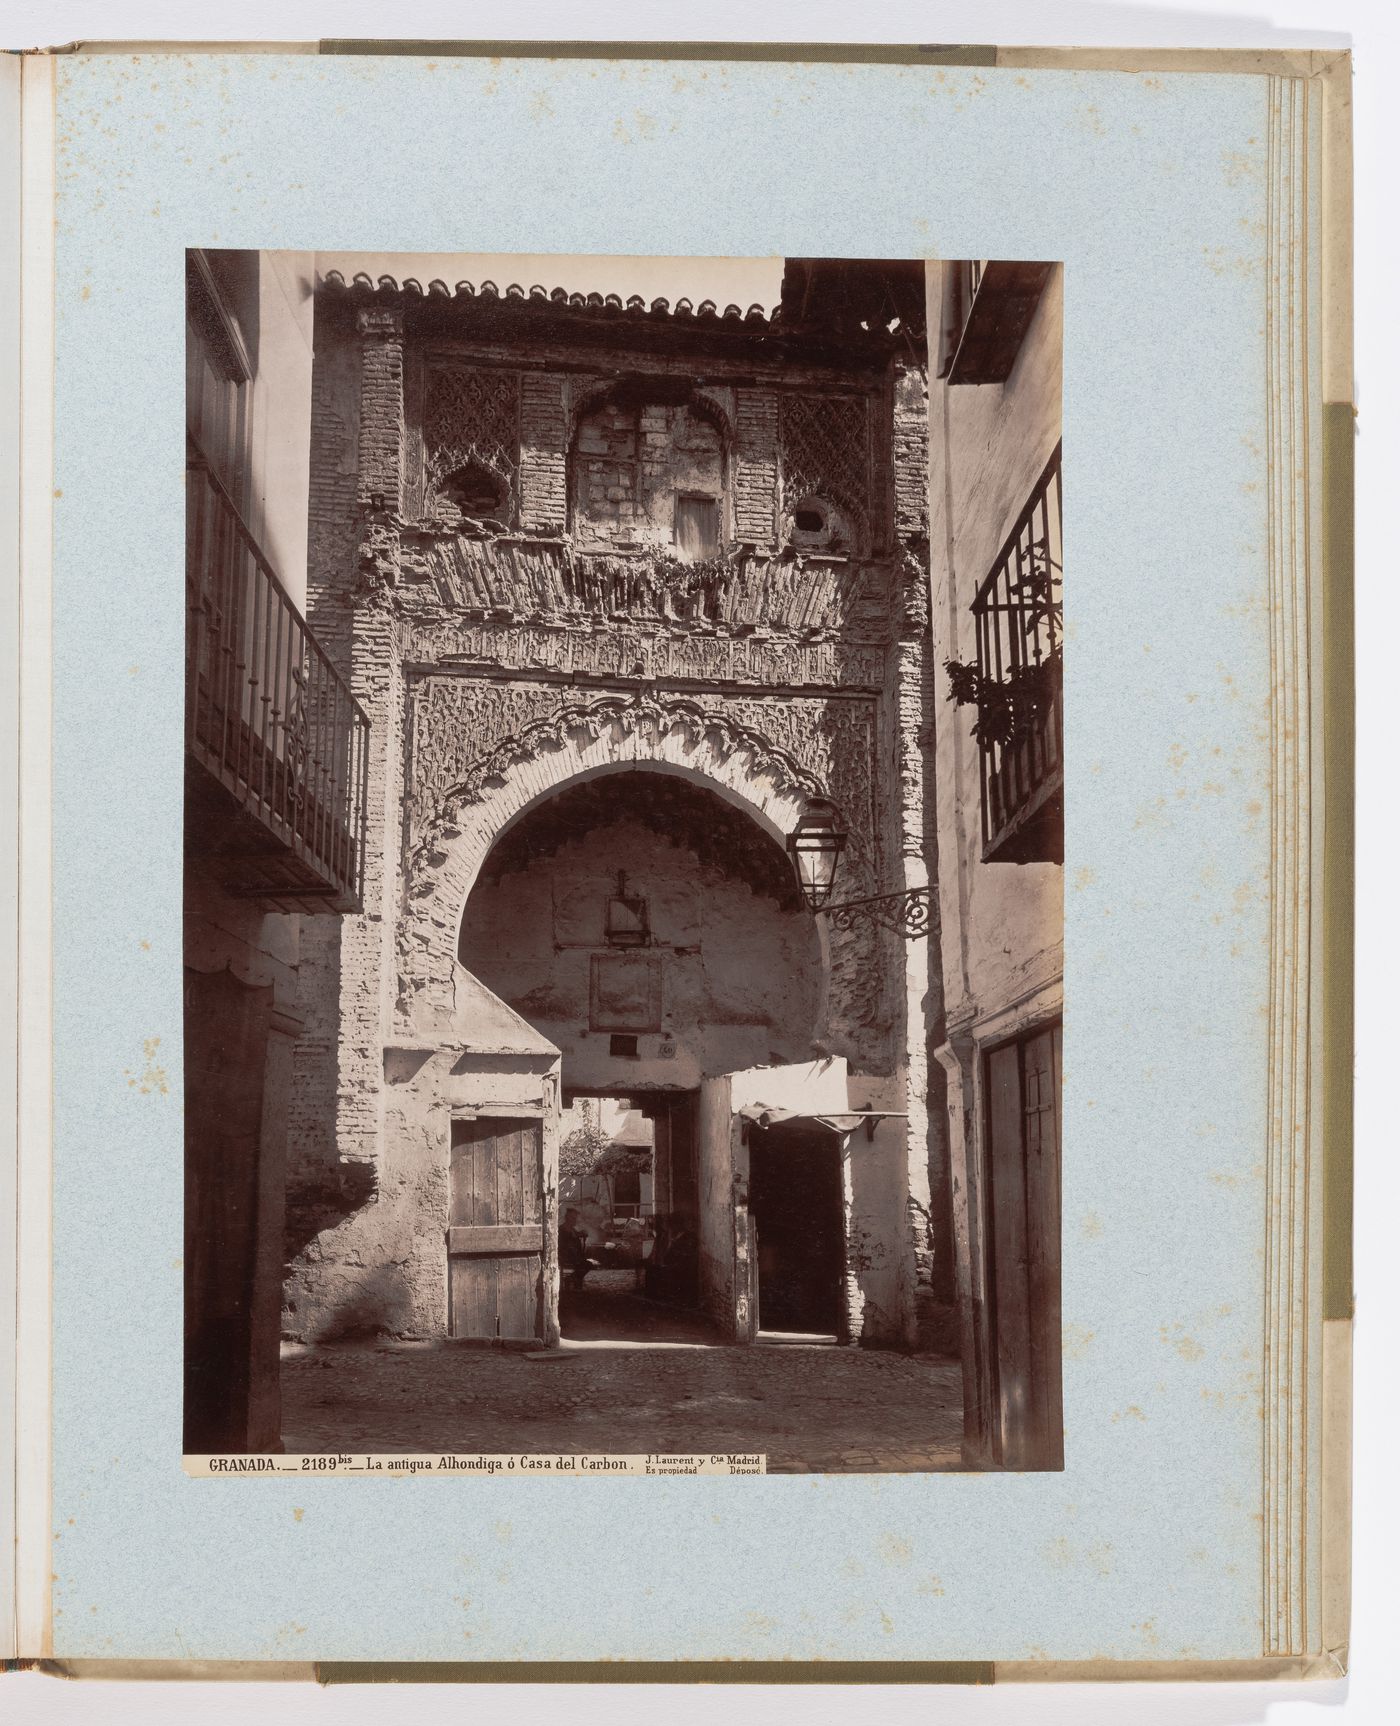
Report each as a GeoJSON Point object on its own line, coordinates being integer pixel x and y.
{"type": "Point", "coordinates": [1152, 190]}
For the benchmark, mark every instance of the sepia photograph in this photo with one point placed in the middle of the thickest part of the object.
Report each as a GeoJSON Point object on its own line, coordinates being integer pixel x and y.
{"type": "Point", "coordinates": [623, 859]}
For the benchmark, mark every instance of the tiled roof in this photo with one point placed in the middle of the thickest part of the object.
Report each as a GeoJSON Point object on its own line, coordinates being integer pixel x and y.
{"type": "Point", "coordinates": [604, 305]}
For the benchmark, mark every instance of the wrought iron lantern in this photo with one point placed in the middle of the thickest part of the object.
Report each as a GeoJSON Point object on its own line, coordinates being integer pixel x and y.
{"type": "Point", "coordinates": [815, 846]}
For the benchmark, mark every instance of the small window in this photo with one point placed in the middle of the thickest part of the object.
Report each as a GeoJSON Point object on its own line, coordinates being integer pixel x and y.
{"type": "Point", "coordinates": [697, 528]}
{"type": "Point", "coordinates": [624, 1048]}
{"type": "Point", "coordinates": [818, 525]}
{"type": "Point", "coordinates": [627, 922]}
{"type": "Point", "coordinates": [476, 491]}
{"type": "Point", "coordinates": [627, 1188]}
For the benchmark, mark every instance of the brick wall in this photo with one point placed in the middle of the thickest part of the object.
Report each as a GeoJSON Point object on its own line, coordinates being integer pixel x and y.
{"type": "Point", "coordinates": [332, 553]}
{"type": "Point", "coordinates": [631, 463]}
{"type": "Point", "coordinates": [381, 415]}
{"type": "Point", "coordinates": [755, 470]}
{"type": "Point", "coordinates": [544, 436]}
{"type": "Point", "coordinates": [357, 432]}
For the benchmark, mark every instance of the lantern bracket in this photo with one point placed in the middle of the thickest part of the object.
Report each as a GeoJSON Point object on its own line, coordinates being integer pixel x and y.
{"type": "Point", "coordinates": [908, 914]}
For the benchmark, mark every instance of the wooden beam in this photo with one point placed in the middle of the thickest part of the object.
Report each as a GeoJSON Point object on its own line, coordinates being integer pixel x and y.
{"type": "Point", "coordinates": [504, 1238]}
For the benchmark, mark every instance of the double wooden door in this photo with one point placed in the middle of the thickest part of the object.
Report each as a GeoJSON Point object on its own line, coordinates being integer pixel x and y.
{"type": "Point", "coordinates": [495, 1236]}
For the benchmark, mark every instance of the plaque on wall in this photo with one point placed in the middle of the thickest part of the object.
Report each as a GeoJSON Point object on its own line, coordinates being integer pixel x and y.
{"type": "Point", "coordinates": [624, 992]}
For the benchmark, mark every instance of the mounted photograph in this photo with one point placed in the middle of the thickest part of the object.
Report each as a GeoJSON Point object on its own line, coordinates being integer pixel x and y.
{"type": "Point", "coordinates": [623, 859]}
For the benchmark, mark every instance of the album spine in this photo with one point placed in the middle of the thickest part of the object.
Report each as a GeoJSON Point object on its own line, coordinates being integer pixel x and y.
{"type": "Point", "coordinates": [1307, 1259]}
{"type": "Point", "coordinates": [10, 77]}
{"type": "Point", "coordinates": [27, 504]}
{"type": "Point", "coordinates": [1336, 601]}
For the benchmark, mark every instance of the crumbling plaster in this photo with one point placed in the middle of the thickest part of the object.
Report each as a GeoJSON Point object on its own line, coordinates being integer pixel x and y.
{"type": "Point", "coordinates": [632, 464]}
{"type": "Point", "coordinates": [740, 978]}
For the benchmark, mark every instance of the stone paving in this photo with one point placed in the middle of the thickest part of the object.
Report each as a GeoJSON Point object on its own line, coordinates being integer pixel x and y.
{"type": "Point", "coordinates": [809, 1407]}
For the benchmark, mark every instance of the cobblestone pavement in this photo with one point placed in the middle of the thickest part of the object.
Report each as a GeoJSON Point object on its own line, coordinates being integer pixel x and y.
{"type": "Point", "coordinates": [809, 1407]}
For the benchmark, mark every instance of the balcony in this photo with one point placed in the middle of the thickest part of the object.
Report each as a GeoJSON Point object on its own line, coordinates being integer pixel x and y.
{"type": "Point", "coordinates": [278, 810]}
{"type": "Point", "coordinates": [1019, 686]}
{"type": "Point", "coordinates": [1023, 791]}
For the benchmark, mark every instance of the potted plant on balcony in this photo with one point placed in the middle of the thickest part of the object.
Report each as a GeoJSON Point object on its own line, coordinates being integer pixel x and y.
{"type": "Point", "coordinates": [1018, 703]}
{"type": "Point", "coordinates": [1015, 686]}
{"type": "Point", "coordinates": [1010, 707]}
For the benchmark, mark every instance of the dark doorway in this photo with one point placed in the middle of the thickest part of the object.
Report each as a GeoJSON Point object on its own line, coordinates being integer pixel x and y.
{"type": "Point", "coordinates": [226, 1037]}
{"type": "Point", "coordinates": [1023, 1154]}
{"type": "Point", "coordinates": [795, 1202]}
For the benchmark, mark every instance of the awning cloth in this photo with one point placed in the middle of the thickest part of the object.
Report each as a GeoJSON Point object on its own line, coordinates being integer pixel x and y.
{"type": "Point", "coordinates": [846, 1122]}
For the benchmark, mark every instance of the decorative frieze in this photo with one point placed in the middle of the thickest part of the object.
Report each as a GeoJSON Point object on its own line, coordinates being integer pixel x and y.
{"type": "Point", "coordinates": [641, 653]}
{"type": "Point", "coordinates": [467, 732]}
{"type": "Point", "coordinates": [526, 578]}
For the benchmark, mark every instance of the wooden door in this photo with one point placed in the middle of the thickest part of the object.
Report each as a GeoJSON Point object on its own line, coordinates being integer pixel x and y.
{"type": "Point", "coordinates": [697, 528]}
{"type": "Point", "coordinates": [495, 1236]}
{"type": "Point", "coordinates": [1023, 1147]}
{"type": "Point", "coordinates": [1040, 1108]}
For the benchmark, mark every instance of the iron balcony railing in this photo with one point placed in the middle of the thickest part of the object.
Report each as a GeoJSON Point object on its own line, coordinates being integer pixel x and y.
{"type": "Point", "coordinates": [1019, 643]}
{"type": "Point", "coordinates": [268, 716]}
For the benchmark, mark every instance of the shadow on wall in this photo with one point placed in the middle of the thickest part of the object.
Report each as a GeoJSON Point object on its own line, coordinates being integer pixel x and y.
{"type": "Point", "coordinates": [321, 1198]}
{"type": "Point", "coordinates": [324, 1187]}
{"type": "Point", "coordinates": [372, 1302]}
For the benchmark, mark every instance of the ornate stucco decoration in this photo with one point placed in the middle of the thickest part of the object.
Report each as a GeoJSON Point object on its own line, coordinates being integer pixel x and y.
{"type": "Point", "coordinates": [472, 415]}
{"type": "Point", "coordinates": [528, 577]}
{"type": "Point", "coordinates": [647, 717]}
{"type": "Point", "coordinates": [825, 443]}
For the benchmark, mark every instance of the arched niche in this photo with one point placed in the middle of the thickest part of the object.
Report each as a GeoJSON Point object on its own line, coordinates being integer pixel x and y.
{"type": "Point", "coordinates": [648, 471]}
{"type": "Point", "coordinates": [650, 929]}
{"type": "Point", "coordinates": [820, 525]}
{"type": "Point", "coordinates": [479, 492]}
